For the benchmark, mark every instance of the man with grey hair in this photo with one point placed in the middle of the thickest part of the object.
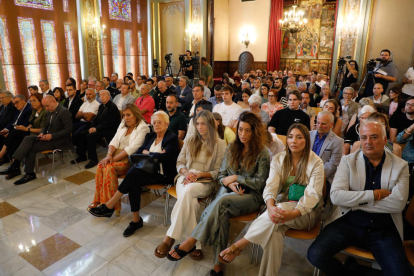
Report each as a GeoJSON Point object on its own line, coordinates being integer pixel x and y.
{"type": "Point", "coordinates": [87, 112]}
{"type": "Point", "coordinates": [183, 91]}
{"type": "Point", "coordinates": [348, 105]}
{"type": "Point", "coordinates": [327, 145]}
{"type": "Point", "coordinates": [55, 134]}
{"type": "Point", "coordinates": [7, 108]}
{"type": "Point", "coordinates": [370, 189]}
{"type": "Point", "coordinates": [169, 81]}
{"type": "Point", "coordinates": [104, 125]}
{"type": "Point", "coordinates": [44, 87]}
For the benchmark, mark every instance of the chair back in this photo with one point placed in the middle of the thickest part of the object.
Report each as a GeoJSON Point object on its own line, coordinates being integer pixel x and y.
{"type": "Point", "coordinates": [317, 110]}
{"type": "Point", "coordinates": [180, 144]}
{"type": "Point", "coordinates": [234, 129]}
{"type": "Point", "coordinates": [282, 138]}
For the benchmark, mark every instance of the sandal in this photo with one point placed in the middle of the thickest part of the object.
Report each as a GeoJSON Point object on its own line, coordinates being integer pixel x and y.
{"type": "Point", "coordinates": [180, 253]}
{"type": "Point", "coordinates": [213, 273]}
{"type": "Point", "coordinates": [234, 250]}
{"type": "Point", "coordinates": [163, 247]}
{"type": "Point", "coordinates": [197, 257]}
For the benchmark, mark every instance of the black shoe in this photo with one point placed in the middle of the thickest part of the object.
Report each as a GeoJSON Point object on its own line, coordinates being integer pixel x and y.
{"type": "Point", "coordinates": [4, 160]}
{"type": "Point", "coordinates": [91, 164]}
{"type": "Point", "coordinates": [13, 175]}
{"type": "Point", "coordinates": [132, 227]}
{"type": "Point", "coordinates": [102, 211]}
{"type": "Point", "coordinates": [11, 170]}
{"type": "Point", "coordinates": [213, 273]}
{"type": "Point", "coordinates": [79, 159]}
{"type": "Point", "coordinates": [26, 178]}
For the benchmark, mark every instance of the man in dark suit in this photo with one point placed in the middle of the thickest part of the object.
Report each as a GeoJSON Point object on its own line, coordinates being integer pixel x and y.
{"type": "Point", "coordinates": [189, 108]}
{"type": "Point", "coordinates": [161, 97]}
{"type": "Point", "coordinates": [183, 91]}
{"type": "Point", "coordinates": [103, 125]}
{"type": "Point", "coordinates": [113, 91]}
{"type": "Point", "coordinates": [7, 109]}
{"type": "Point", "coordinates": [72, 102]}
{"type": "Point", "coordinates": [44, 86]}
{"type": "Point", "coordinates": [54, 135]}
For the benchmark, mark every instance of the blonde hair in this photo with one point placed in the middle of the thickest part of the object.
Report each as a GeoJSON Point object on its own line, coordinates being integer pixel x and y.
{"type": "Point", "coordinates": [195, 142]}
{"type": "Point", "coordinates": [164, 115]}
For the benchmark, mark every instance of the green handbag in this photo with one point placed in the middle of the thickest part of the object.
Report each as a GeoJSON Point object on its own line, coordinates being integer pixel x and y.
{"type": "Point", "coordinates": [296, 191]}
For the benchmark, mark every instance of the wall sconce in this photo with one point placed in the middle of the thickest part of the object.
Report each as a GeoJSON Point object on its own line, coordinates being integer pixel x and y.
{"type": "Point", "coordinates": [246, 40]}
{"type": "Point", "coordinates": [93, 33]}
{"type": "Point", "coordinates": [247, 35]}
{"type": "Point", "coordinates": [192, 35]}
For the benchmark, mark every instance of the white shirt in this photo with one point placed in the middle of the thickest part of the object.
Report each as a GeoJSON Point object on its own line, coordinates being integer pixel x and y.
{"type": "Point", "coordinates": [139, 87]}
{"type": "Point", "coordinates": [192, 109]}
{"type": "Point", "coordinates": [320, 83]}
{"type": "Point", "coordinates": [256, 91]}
{"type": "Point", "coordinates": [408, 88]}
{"type": "Point", "coordinates": [321, 104]}
{"type": "Point", "coordinates": [207, 93]}
{"type": "Point", "coordinates": [120, 102]}
{"type": "Point", "coordinates": [157, 148]}
{"type": "Point", "coordinates": [228, 112]}
{"type": "Point", "coordinates": [90, 107]}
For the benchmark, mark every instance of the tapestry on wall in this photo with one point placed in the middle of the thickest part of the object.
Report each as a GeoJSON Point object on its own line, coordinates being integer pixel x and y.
{"type": "Point", "coordinates": [314, 43]}
{"type": "Point", "coordinates": [120, 10]}
{"type": "Point", "coordinates": [39, 4]}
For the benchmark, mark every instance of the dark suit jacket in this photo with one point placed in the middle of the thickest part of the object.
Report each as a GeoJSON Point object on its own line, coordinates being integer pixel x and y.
{"type": "Point", "coordinates": [7, 115]}
{"type": "Point", "coordinates": [113, 91]}
{"type": "Point", "coordinates": [186, 109]}
{"type": "Point", "coordinates": [170, 144]}
{"type": "Point", "coordinates": [60, 127]}
{"type": "Point", "coordinates": [161, 98]}
{"type": "Point", "coordinates": [107, 119]}
{"type": "Point", "coordinates": [23, 119]}
{"type": "Point", "coordinates": [74, 107]}
{"type": "Point", "coordinates": [318, 88]}
{"type": "Point", "coordinates": [188, 93]}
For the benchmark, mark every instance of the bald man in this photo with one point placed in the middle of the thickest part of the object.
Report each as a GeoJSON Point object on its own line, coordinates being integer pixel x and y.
{"type": "Point", "coordinates": [54, 135]}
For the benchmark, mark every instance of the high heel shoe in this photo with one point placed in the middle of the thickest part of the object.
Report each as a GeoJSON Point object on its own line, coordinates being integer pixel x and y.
{"type": "Point", "coordinates": [117, 213]}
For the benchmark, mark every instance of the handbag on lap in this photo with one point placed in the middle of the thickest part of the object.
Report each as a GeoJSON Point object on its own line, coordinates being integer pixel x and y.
{"type": "Point", "coordinates": [145, 162]}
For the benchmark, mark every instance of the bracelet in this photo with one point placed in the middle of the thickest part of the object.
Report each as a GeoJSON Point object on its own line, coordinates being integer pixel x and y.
{"type": "Point", "coordinates": [109, 153]}
{"type": "Point", "coordinates": [405, 130]}
{"type": "Point", "coordinates": [379, 194]}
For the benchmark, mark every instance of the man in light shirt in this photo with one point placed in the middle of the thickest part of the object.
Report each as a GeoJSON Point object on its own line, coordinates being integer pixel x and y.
{"type": "Point", "coordinates": [256, 87]}
{"type": "Point", "coordinates": [87, 112]}
{"type": "Point", "coordinates": [124, 98]}
{"type": "Point", "coordinates": [228, 110]}
{"type": "Point", "coordinates": [408, 88]}
{"type": "Point", "coordinates": [44, 86]}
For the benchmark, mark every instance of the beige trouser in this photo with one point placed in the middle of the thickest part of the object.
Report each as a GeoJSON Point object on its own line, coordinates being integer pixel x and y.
{"type": "Point", "coordinates": [270, 236]}
{"type": "Point", "coordinates": [184, 213]}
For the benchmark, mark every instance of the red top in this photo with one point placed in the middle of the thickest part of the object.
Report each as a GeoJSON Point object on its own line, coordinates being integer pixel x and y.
{"type": "Point", "coordinates": [148, 104]}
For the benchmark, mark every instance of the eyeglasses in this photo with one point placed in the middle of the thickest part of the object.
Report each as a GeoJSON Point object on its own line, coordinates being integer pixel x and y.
{"type": "Point", "coordinates": [411, 105]}
{"type": "Point", "coordinates": [349, 94]}
{"type": "Point", "coordinates": [271, 96]}
{"type": "Point", "coordinates": [129, 83]}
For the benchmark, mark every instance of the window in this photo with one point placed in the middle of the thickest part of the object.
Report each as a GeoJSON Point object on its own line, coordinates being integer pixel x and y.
{"type": "Point", "coordinates": [50, 48]}
{"type": "Point", "coordinates": [70, 51]}
{"type": "Point", "coordinates": [39, 4]}
{"type": "Point", "coordinates": [6, 58]}
{"type": "Point", "coordinates": [129, 49]}
{"type": "Point", "coordinates": [115, 51]}
{"type": "Point", "coordinates": [28, 41]}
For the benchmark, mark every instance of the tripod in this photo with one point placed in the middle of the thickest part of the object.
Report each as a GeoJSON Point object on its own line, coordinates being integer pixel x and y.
{"type": "Point", "coordinates": [179, 70]}
{"type": "Point", "coordinates": [370, 74]}
{"type": "Point", "coordinates": [155, 72]}
{"type": "Point", "coordinates": [338, 79]}
{"type": "Point", "coordinates": [168, 68]}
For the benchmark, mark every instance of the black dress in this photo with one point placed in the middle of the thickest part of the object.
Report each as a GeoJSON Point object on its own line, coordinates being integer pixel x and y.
{"type": "Point", "coordinates": [347, 81]}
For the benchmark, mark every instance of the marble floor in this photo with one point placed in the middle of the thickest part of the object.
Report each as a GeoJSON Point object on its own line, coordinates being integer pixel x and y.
{"type": "Point", "coordinates": [45, 229]}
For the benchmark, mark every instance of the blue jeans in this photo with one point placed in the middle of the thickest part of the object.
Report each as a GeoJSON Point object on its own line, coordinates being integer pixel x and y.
{"type": "Point", "coordinates": [385, 244]}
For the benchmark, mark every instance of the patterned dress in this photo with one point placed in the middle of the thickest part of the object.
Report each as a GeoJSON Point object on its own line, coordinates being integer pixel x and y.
{"type": "Point", "coordinates": [277, 107]}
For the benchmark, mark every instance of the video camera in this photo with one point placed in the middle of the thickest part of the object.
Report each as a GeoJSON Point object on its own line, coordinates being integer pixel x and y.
{"type": "Point", "coordinates": [181, 58]}
{"type": "Point", "coordinates": [168, 58]}
{"type": "Point", "coordinates": [371, 64]}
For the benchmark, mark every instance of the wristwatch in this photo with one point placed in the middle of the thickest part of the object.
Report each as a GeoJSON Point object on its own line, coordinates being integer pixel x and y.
{"type": "Point", "coordinates": [28, 129]}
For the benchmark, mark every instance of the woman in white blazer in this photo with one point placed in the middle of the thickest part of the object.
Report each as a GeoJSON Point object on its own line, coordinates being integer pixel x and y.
{"type": "Point", "coordinates": [128, 138]}
{"type": "Point", "coordinates": [200, 158]}
{"type": "Point", "coordinates": [297, 166]}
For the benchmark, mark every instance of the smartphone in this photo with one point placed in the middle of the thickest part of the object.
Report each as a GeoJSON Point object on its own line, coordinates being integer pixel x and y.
{"type": "Point", "coordinates": [238, 188]}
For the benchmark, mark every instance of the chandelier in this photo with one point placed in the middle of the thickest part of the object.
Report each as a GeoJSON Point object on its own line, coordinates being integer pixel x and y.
{"type": "Point", "coordinates": [293, 21]}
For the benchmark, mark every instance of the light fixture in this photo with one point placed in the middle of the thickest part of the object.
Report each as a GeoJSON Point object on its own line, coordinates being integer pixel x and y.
{"type": "Point", "coordinates": [192, 35]}
{"type": "Point", "coordinates": [293, 21]}
{"type": "Point", "coordinates": [94, 35]}
{"type": "Point", "coordinates": [246, 39]}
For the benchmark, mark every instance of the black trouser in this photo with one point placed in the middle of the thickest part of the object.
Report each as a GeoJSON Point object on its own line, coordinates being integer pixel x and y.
{"type": "Point", "coordinates": [13, 140]}
{"type": "Point", "coordinates": [133, 182]}
{"type": "Point", "coordinates": [87, 142]}
{"type": "Point", "coordinates": [78, 127]}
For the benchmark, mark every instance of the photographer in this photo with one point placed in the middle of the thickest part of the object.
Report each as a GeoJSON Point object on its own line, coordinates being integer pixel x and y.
{"type": "Point", "coordinates": [350, 75]}
{"type": "Point", "coordinates": [386, 65]}
{"type": "Point", "coordinates": [188, 65]}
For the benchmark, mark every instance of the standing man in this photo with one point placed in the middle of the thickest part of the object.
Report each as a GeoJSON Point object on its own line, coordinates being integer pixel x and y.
{"type": "Point", "coordinates": [161, 97]}
{"type": "Point", "coordinates": [44, 86]}
{"type": "Point", "coordinates": [178, 121]}
{"type": "Point", "coordinates": [370, 189]}
{"type": "Point", "coordinates": [284, 118]}
{"type": "Point", "coordinates": [386, 73]}
{"type": "Point", "coordinates": [207, 72]}
{"type": "Point", "coordinates": [72, 102]}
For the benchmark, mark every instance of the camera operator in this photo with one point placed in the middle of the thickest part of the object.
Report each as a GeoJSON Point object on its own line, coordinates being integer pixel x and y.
{"type": "Point", "coordinates": [387, 65]}
{"type": "Point", "coordinates": [188, 65]}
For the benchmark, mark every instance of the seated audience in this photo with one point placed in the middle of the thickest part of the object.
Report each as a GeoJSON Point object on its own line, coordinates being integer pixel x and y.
{"type": "Point", "coordinates": [140, 81]}
{"type": "Point", "coordinates": [121, 100]}
{"type": "Point", "coordinates": [45, 88]}
{"type": "Point", "coordinates": [128, 138]}
{"type": "Point", "coordinates": [281, 92]}
{"type": "Point", "coordinates": [177, 120]}
{"type": "Point", "coordinates": [169, 82]}
{"type": "Point", "coordinates": [370, 189]}
{"type": "Point", "coordinates": [313, 95]}
{"type": "Point", "coordinates": [228, 110]}
{"type": "Point", "coordinates": [21, 116]}
{"type": "Point", "coordinates": [104, 125]}
{"type": "Point", "coordinates": [242, 177]}
{"type": "Point", "coordinates": [395, 99]}
{"type": "Point", "coordinates": [317, 88]}
{"type": "Point", "coordinates": [15, 137]}
{"type": "Point", "coordinates": [86, 113]}
{"type": "Point", "coordinates": [153, 87]}
{"type": "Point", "coordinates": [59, 95]}
{"type": "Point", "coordinates": [362, 102]}
{"type": "Point", "coordinates": [71, 80]}
{"type": "Point", "coordinates": [348, 105]}
{"type": "Point", "coordinates": [283, 119]}
{"type": "Point", "coordinates": [72, 102]}
{"type": "Point", "coordinates": [146, 103]}
{"type": "Point", "coordinates": [183, 91]}
{"type": "Point", "coordinates": [207, 91]}
{"type": "Point", "coordinates": [55, 134]}
{"type": "Point", "coordinates": [33, 89]}
{"type": "Point", "coordinates": [200, 158]}
{"type": "Point", "coordinates": [352, 134]}
{"type": "Point", "coordinates": [305, 104]}
{"type": "Point", "coordinates": [402, 121]}
{"type": "Point", "coordinates": [189, 108]}
{"type": "Point", "coordinates": [333, 107]}
{"type": "Point", "coordinates": [218, 98]}
{"type": "Point", "coordinates": [245, 95]}
{"type": "Point", "coordinates": [237, 86]}
{"type": "Point", "coordinates": [298, 166]}
{"type": "Point", "coordinates": [264, 89]}
{"type": "Point", "coordinates": [114, 78]}
{"type": "Point", "coordinates": [161, 96]}
{"type": "Point", "coordinates": [161, 144]}
{"type": "Point", "coordinates": [200, 106]}
{"type": "Point", "coordinates": [106, 86]}
{"type": "Point", "coordinates": [225, 133]}
{"type": "Point", "coordinates": [327, 145]}
{"type": "Point", "coordinates": [133, 89]}
{"type": "Point", "coordinates": [254, 103]}
{"type": "Point", "coordinates": [378, 97]}
{"type": "Point", "coordinates": [274, 144]}
{"type": "Point", "coordinates": [381, 118]}
{"type": "Point", "coordinates": [256, 86]}
{"type": "Point", "coordinates": [269, 82]}
{"type": "Point", "coordinates": [237, 97]}
{"type": "Point", "coordinates": [82, 90]}
{"type": "Point", "coordinates": [325, 95]}
{"type": "Point", "coordinates": [7, 109]}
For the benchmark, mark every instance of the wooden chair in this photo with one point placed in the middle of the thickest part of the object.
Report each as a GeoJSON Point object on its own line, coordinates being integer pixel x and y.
{"type": "Point", "coordinates": [55, 151]}
{"type": "Point", "coordinates": [317, 110]}
{"type": "Point", "coordinates": [282, 138]}
{"type": "Point", "coordinates": [234, 130]}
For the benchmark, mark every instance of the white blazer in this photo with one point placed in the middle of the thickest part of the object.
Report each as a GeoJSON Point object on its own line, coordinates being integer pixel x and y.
{"type": "Point", "coordinates": [313, 191]}
{"type": "Point", "coordinates": [136, 138]}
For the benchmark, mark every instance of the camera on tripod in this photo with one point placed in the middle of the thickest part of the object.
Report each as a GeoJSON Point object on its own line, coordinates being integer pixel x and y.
{"type": "Point", "coordinates": [155, 64]}
{"type": "Point", "coordinates": [181, 58]}
{"type": "Point", "coordinates": [371, 64]}
{"type": "Point", "coordinates": [341, 61]}
{"type": "Point", "coordinates": [168, 58]}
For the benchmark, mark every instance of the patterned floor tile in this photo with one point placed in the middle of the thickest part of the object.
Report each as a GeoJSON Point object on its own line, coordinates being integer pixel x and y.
{"type": "Point", "coordinates": [81, 177]}
{"type": "Point", "coordinates": [7, 209]}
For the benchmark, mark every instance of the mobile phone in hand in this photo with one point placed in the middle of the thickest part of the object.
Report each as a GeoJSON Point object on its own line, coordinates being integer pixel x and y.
{"type": "Point", "coordinates": [238, 188]}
